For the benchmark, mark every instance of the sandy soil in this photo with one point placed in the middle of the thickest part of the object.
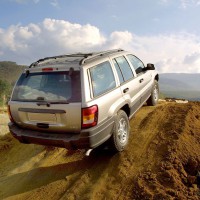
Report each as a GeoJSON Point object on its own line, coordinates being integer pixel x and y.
{"type": "Point", "coordinates": [161, 162]}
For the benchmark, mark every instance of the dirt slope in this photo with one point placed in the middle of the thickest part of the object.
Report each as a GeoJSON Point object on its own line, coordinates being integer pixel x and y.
{"type": "Point", "coordinates": [161, 162]}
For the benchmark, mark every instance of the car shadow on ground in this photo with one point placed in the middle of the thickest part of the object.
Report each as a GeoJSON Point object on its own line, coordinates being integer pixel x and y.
{"type": "Point", "coordinates": [42, 176]}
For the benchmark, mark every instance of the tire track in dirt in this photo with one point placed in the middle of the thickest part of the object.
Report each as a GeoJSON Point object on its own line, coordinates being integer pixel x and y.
{"type": "Point", "coordinates": [80, 177]}
{"type": "Point", "coordinates": [171, 150]}
{"type": "Point", "coordinates": [143, 148]}
{"type": "Point", "coordinates": [37, 172]}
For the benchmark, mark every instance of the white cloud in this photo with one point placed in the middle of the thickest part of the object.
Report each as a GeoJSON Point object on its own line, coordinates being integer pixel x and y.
{"type": "Point", "coordinates": [119, 39]}
{"type": "Point", "coordinates": [192, 59]}
{"type": "Point", "coordinates": [24, 44]}
{"type": "Point", "coordinates": [182, 3]}
{"type": "Point", "coordinates": [187, 3]}
{"type": "Point", "coordinates": [170, 53]}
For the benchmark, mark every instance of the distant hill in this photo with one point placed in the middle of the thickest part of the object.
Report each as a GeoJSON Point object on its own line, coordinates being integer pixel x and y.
{"type": "Point", "coordinates": [10, 71]}
{"type": "Point", "coordinates": [184, 86]}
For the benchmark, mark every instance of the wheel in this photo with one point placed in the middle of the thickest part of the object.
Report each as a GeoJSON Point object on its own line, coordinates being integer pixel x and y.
{"type": "Point", "coordinates": [120, 136]}
{"type": "Point", "coordinates": [153, 99]}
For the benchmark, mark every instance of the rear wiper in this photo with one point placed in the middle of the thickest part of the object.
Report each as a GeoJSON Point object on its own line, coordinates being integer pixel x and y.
{"type": "Point", "coordinates": [43, 102]}
{"type": "Point", "coordinates": [48, 103]}
{"type": "Point", "coordinates": [40, 98]}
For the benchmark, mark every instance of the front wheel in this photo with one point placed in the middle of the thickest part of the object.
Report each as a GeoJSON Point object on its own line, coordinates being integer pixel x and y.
{"type": "Point", "coordinates": [153, 99]}
{"type": "Point", "coordinates": [120, 136]}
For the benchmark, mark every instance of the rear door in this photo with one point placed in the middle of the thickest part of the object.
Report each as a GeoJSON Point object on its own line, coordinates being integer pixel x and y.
{"type": "Point", "coordinates": [128, 82]}
{"type": "Point", "coordinates": [104, 90]}
{"type": "Point", "coordinates": [49, 101]}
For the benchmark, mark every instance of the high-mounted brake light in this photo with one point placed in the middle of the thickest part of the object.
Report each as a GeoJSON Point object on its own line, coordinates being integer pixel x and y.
{"type": "Point", "coordinates": [89, 116]}
{"type": "Point", "coordinates": [47, 69]}
{"type": "Point", "coordinates": [9, 114]}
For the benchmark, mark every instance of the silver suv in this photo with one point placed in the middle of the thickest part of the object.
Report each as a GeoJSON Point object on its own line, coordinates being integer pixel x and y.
{"type": "Point", "coordinates": [81, 100]}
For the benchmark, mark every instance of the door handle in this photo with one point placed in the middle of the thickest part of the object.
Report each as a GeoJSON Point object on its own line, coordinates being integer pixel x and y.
{"type": "Point", "coordinates": [125, 90]}
{"type": "Point", "coordinates": [141, 80]}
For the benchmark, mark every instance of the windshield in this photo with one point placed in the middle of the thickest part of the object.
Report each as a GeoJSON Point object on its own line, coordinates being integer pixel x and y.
{"type": "Point", "coordinates": [49, 86]}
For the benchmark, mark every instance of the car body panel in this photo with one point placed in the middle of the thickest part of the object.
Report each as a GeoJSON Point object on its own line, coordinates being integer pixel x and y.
{"type": "Point", "coordinates": [58, 123]}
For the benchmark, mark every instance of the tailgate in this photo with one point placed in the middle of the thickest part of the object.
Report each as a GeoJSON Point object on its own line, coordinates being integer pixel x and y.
{"type": "Point", "coordinates": [61, 118]}
{"type": "Point", "coordinates": [48, 100]}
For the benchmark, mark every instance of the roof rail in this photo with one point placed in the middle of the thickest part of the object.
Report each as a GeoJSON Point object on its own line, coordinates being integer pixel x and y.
{"type": "Point", "coordinates": [84, 55]}
{"type": "Point", "coordinates": [101, 53]}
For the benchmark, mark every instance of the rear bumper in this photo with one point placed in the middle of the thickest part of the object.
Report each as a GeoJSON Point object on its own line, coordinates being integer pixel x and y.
{"type": "Point", "coordinates": [86, 138]}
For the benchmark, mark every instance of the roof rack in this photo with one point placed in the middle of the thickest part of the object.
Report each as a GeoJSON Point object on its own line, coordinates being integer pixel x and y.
{"type": "Point", "coordinates": [101, 53]}
{"type": "Point", "coordinates": [85, 56]}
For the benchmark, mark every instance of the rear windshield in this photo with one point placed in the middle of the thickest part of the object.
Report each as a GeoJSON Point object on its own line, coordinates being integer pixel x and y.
{"type": "Point", "coordinates": [62, 86]}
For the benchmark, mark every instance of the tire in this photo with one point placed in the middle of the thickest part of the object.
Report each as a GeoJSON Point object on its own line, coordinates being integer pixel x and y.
{"type": "Point", "coordinates": [153, 99]}
{"type": "Point", "coordinates": [120, 136]}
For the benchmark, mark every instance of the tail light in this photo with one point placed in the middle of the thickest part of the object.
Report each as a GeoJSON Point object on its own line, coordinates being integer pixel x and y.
{"type": "Point", "coordinates": [9, 114]}
{"type": "Point", "coordinates": [89, 116]}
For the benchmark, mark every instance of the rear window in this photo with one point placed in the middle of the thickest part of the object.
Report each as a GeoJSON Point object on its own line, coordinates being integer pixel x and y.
{"type": "Point", "coordinates": [49, 86]}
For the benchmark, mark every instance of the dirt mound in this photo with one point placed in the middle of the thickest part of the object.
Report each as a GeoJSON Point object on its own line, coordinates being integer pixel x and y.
{"type": "Point", "coordinates": [161, 162]}
{"type": "Point", "coordinates": [176, 157]}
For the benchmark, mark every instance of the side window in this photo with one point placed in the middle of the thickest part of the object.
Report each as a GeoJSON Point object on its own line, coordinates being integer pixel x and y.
{"type": "Point", "coordinates": [124, 68]}
{"type": "Point", "coordinates": [102, 78]}
{"type": "Point", "coordinates": [136, 63]}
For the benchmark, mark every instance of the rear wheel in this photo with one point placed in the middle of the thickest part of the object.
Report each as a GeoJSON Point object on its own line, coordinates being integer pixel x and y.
{"type": "Point", "coordinates": [153, 99]}
{"type": "Point", "coordinates": [120, 136]}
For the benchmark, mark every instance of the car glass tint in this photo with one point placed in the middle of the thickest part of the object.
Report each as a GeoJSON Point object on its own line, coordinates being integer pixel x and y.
{"type": "Point", "coordinates": [49, 86]}
{"type": "Point", "coordinates": [125, 68]}
{"type": "Point", "coordinates": [102, 78]}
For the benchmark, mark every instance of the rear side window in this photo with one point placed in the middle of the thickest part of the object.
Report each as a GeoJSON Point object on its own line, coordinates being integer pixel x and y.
{"type": "Point", "coordinates": [124, 68]}
{"type": "Point", "coordinates": [49, 86]}
{"type": "Point", "coordinates": [102, 78]}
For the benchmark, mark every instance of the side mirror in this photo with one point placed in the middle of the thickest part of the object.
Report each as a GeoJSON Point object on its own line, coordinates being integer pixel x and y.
{"type": "Point", "coordinates": [150, 66]}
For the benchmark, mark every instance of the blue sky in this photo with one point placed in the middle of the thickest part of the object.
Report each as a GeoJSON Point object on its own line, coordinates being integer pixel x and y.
{"type": "Point", "coordinates": [163, 32]}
